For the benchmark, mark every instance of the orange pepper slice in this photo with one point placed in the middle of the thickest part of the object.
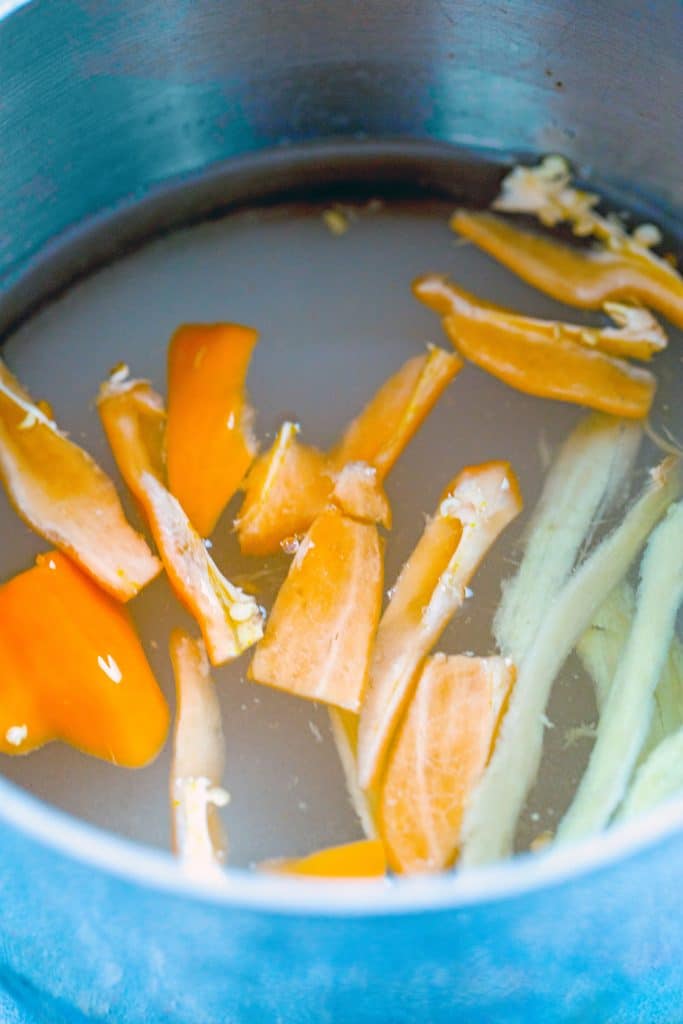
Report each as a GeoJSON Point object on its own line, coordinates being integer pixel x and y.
{"type": "Point", "coordinates": [290, 484]}
{"type": "Point", "coordinates": [362, 859]}
{"type": "Point", "coordinates": [198, 760]}
{"type": "Point", "coordinates": [319, 634]}
{"type": "Point", "coordinates": [72, 669]}
{"type": "Point", "coordinates": [537, 357]}
{"type": "Point", "coordinates": [388, 422]}
{"type": "Point", "coordinates": [637, 334]}
{"type": "Point", "coordinates": [577, 277]}
{"type": "Point", "coordinates": [209, 444]}
{"type": "Point", "coordinates": [134, 421]}
{"type": "Point", "coordinates": [476, 506]}
{"type": "Point", "coordinates": [61, 492]}
{"type": "Point", "coordinates": [285, 490]}
{"type": "Point", "coordinates": [439, 756]}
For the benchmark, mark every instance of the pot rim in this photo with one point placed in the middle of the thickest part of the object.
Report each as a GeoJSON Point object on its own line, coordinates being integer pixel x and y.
{"type": "Point", "coordinates": [244, 889]}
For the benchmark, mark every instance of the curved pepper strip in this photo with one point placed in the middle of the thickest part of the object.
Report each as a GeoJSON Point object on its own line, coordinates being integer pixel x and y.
{"type": "Point", "coordinates": [441, 750]}
{"type": "Point", "coordinates": [546, 191]}
{"type": "Point", "coordinates": [637, 333]}
{"type": "Point", "coordinates": [134, 421]}
{"type": "Point", "coordinates": [475, 508]}
{"type": "Point", "coordinates": [209, 444]}
{"type": "Point", "coordinates": [532, 357]}
{"type": "Point", "coordinates": [577, 277]}
{"type": "Point", "coordinates": [198, 761]}
{"type": "Point", "coordinates": [72, 669]}
{"type": "Point", "coordinates": [391, 418]}
{"type": "Point", "coordinates": [291, 483]}
{"type": "Point", "coordinates": [362, 859]}
{"type": "Point", "coordinates": [61, 492]}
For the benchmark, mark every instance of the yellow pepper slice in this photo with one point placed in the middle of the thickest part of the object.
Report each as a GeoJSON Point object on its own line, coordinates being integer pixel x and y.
{"type": "Point", "coordinates": [72, 669]}
{"type": "Point", "coordinates": [383, 429]}
{"type": "Point", "coordinates": [577, 277]}
{"type": "Point", "coordinates": [209, 444]}
{"type": "Point", "coordinates": [285, 490]}
{"type": "Point", "coordinates": [636, 333]}
{"type": "Point", "coordinates": [61, 492]}
{"type": "Point", "coordinates": [362, 859]}
{"type": "Point", "coordinates": [134, 421]}
{"type": "Point", "coordinates": [476, 506]}
{"type": "Point", "coordinates": [538, 357]}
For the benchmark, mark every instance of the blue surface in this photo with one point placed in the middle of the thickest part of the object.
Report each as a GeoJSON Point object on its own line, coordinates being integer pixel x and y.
{"type": "Point", "coordinates": [603, 948]}
{"type": "Point", "coordinates": [101, 104]}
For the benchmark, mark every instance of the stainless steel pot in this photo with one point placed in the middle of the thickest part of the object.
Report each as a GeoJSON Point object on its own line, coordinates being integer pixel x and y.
{"type": "Point", "coordinates": [102, 106]}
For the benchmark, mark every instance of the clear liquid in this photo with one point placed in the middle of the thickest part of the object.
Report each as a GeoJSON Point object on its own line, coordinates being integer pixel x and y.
{"type": "Point", "coordinates": [336, 317]}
